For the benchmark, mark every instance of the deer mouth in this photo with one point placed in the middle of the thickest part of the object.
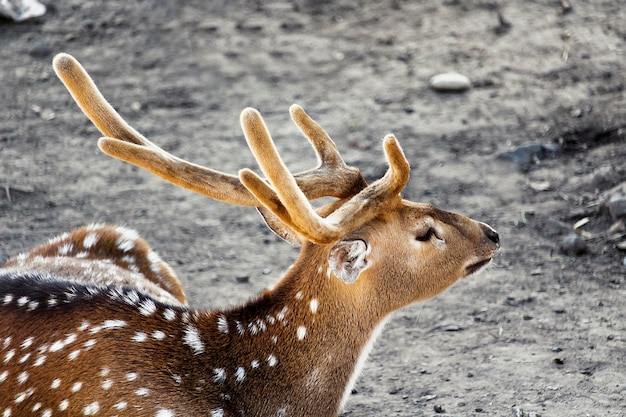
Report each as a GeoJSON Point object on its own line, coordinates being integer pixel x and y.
{"type": "Point", "coordinates": [475, 267]}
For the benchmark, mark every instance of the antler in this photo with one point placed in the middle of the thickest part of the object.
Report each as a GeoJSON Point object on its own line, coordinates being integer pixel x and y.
{"type": "Point", "coordinates": [331, 178]}
{"type": "Point", "coordinates": [289, 195]}
{"type": "Point", "coordinates": [287, 201]}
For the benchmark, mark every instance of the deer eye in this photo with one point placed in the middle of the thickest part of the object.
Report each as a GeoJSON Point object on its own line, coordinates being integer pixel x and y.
{"type": "Point", "coordinates": [425, 234]}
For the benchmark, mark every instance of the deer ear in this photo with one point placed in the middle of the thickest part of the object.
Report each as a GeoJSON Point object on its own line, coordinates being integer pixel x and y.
{"type": "Point", "coordinates": [279, 228]}
{"type": "Point", "coordinates": [348, 259]}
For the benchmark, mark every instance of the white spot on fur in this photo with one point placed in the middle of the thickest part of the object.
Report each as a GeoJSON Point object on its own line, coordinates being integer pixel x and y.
{"type": "Point", "coordinates": [121, 405]}
{"type": "Point", "coordinates": [240, 374]}
{"type": "Point", "coordinates": [126, 241]}
{"type": "Point", "coordinates": [253, 328]}
{"type": "Point", "coordinates": [140, 337]}
{"type": "Point", "coordinates": [22, 377]}
{"type": "Point", "coordinates": [272, 360]}
{"type": "Point", "coordinates": [158, 335]}
{"type": "Point", "coordinates": [314, 305]}
{"type": "Point", "coordinates": [217, 412]}
{"type": "Point", "coordinates": [219, 375]}
{"type": "Point", "coordinates": [72, 356]}
{"type": "Point", "coordinates": [169, 314]}
{"type": "Point", "coordinates": [91, 409]}
{"type": "Point", "coordinates": [107, 384]}
{"type": "Point", "coordinates": [301, 332]}
{"type": "Point", "coordinates": [55, 384]}
{"type": "Point", "coordinates": [147, 307]}
{"type": "Point", "coordinates": [65, 249]}
{"type": "Point", "coordinates": [113, 324]}
{"type": "Point", "coordinates": [90, 240]}
{"type": "Point", "coordinates": [27, 342]}
{"type": "Point", "coordinates": [131, 376]}
{"type": "Point", "coordinates": [89, 343]}
{"type": "Point", "coordinates": [3, 376]}
{"type": "Point", "coordinates": [254, 364]}
{"type": "Point", "coordinates": [222, 324]}
{"type": "Point", "coordinates": [9, 355]}
{"type": "Point", "coordinates": [77, 386]}
{"type": "Point", "coordinates": [164, 413]}
{"type": "Point", "coordinates": [56, 346]}
{"type": "Point", "coordinates": [130, 260]}
{"type": "Point", "coordinates": [192, 339]}
{"type": "Point", "coordinates": [63, 405]}
{"type": "Point", "coordinates": [142, 392]}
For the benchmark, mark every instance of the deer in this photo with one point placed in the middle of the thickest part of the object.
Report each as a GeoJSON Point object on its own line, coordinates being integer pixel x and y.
{"type": "Point", "coordinates": [94, 322]}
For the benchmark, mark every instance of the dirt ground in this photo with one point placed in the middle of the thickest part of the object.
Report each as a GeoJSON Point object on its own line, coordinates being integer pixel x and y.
{"type": "Point", "coordinates": [540, 333]}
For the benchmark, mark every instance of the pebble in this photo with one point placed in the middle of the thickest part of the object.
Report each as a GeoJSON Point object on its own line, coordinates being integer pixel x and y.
{"type": "Point", "coordinates": [617, 207]}
{"type": "Point", "coordinates": [573, 245]}
{"type": "Point", "coordinates": [450, 82]}
{"type": "Point", "coordinates": [528, 153]}
{"type": "Point", "coordinates": [41, 50]}
{"type": "Point", "coordinates": [615, 201]}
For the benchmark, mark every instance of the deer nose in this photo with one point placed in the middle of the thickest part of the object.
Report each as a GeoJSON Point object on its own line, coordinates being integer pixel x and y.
{"type": "Point", "coordinates": [491, 233]}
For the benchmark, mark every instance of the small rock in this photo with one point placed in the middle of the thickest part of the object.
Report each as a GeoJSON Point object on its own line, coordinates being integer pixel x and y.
{"type": "Point", "coordinates": [617, 207]}
{"type": "Point", "coordinates": [573, 245]}
{"type": "Point", "coordinates": [527, 153]}
{"type": "Point", "coordinates": [539, 185]}
{"type": "Point", "coordinates": [615, 201]}
{"type": "Point", "coordinates": [624, 262]}
{"type": "Point", "coordinates": [621, 245]}
{"type": "Point", "coordinates": [41, 50]}
{"type": "Point", "coordinates": [450, 82]}
{"type": "Point", "coordinates": [243, 279]}
{"type": "Point", "coordinates": [617, 227]}
{"type": "Point", "coordinates": [439, 409]}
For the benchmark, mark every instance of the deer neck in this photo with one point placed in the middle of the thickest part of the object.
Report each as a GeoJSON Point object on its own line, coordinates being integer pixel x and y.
{"type": "Point", "coordinates": [307, 339]}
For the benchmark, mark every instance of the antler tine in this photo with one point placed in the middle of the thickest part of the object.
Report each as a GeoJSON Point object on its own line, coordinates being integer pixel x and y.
{"type": "Point", "coordinates": [367, 204]}
{"type": "Point", "coordinates": [332, 177]}
{"type": "Point", "coordinates": [289, 203]}
{"type": "Point", "coordinates": [298, 213]}
{"type": "Point", "coordinates": [92, 102]}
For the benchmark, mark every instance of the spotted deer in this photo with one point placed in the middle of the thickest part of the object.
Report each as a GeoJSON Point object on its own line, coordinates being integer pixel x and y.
{"type": "Point", "coordinates": [95, 323]}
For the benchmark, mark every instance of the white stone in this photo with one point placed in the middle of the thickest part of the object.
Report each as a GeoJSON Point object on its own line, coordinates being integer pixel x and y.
{"type": "Point", "coordinates": [451, 82]}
